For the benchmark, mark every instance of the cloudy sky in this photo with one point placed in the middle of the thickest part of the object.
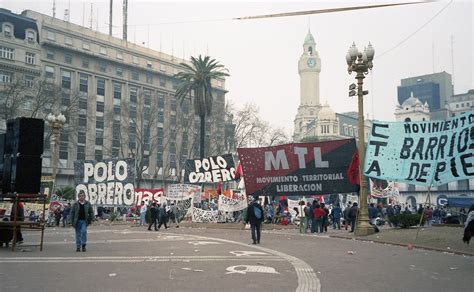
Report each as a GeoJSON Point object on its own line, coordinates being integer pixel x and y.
{"type": "Point", "coordinates": [262, 55]}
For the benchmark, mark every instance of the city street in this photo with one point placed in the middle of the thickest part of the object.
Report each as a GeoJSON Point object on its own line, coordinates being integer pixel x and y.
{"type": "Point", "coordinates": [124, 258]}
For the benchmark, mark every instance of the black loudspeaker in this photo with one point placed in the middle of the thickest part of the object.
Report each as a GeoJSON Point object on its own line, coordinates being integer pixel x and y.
{"type": "Point", "coordinates": [7, 173]}
{"type": "Point", "coordinates": [2, 152]}
{"type": "Point", "coordinates": [26, 174]}
{"type": "Point", "coordinates": [25, 136]}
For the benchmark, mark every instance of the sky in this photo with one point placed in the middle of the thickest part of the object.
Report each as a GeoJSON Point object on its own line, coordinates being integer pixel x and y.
{"type": "Point", "coordinates": [262, 55]}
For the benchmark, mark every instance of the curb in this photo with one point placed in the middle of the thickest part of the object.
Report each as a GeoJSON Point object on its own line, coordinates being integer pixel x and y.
{"type": "Point", "coordinates": [406, 245]}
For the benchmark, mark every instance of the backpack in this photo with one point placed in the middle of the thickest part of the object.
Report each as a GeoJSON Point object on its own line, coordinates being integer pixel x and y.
{"type": "Point", "coordinates": [257, 212]}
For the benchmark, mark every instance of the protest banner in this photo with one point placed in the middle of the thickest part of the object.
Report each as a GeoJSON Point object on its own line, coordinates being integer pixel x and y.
{"type": "Point", "coordinates": [211, 169]}
{"type": "Point", "coordinates": [106, 183]}
{"type": "Point", "coordinates": [181, 191]}
{"type": "Point", "coordinates": [147, 195]}
{"type": "Point", "coordinates": [226, 204]}
{"type": "Point", "coordinates": [298, 169]}
{"type": "Point", "coordinates": [429, 153]}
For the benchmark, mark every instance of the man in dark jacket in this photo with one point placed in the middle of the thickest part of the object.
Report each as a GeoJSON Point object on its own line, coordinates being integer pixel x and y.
{"type": "Point", "coordinates": [353, 212]}
{"type": "Point", "coordinates": [153, 216]}
{"type": "Point", "coordinates": [336, 213]}
{"type": "Point", "coordinates": [81, 216]}
{"type": "Point", "coordinates": [255, 217]}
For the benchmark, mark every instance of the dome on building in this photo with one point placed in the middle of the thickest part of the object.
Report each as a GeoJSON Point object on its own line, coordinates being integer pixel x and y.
{"type": "Point", "coordinates": [326, 113]}
{"type": "Point", "coordinates": [411, 102]}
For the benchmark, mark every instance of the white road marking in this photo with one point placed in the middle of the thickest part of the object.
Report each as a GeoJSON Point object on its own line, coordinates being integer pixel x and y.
{"type": "Point", "coordinates": [202, 242]}
{"type": "Point", "coordinates": [247, 253]}
{"type": "Point", "coordinates": [244, 269]}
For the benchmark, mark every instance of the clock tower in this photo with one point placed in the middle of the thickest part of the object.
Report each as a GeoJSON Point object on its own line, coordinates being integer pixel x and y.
{"type": "Point", "coordinates": [309, 67]}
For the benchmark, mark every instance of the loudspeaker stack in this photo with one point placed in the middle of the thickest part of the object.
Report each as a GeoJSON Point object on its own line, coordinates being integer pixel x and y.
{"type": "Point", "coordinates": [22, 149]}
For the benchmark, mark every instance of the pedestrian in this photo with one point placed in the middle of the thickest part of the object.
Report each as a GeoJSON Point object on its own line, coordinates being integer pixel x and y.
{"type": "Point", "coordinates": [309, 216]}
{"type": "Point", "coordinates": [318, 215]}
{"type": "Point", "coordinates": [66, 212]}
{"type": "Point", "coordinates": [345, 213]}
{"type": "Point", "coordinates": [302, 212]}
{"type": "Point", "coordinates": [153, 216]}
{"type": "Point", "coordinates": [175, 214]}
{"type": "Point", "coordinates": [163, 215]}
{"type": "Point", "coordinates": [427, 216]}
{"type": "Point", "coordinates": [390, 214]}
{"type": "Point", "coordinates": [469, 225]}
{"type": "Point", "coordinates": [143, 209]}
{"type": "Point", "coordinates": [81, 216]}
{"type": "Point", "coordinates": [57, 215]}
{"type": "Point", "coordinates": [255, 218]}
{"type": "Point", "coordinates": [18, 210]}
{"type": "Point", "coordinates": [353, 212]}
{"type": "Point", "coordinates": [372, 213]}
{"type": "Point", "coordinates": [336, 217]}
{"type": "Point", "coordinates": [325, 221]}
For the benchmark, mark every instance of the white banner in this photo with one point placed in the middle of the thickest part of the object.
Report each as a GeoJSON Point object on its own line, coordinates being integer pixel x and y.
{"type": "Point", "coordinates": [291, 205]}
{"type": "Point", "coordinates": [231, 205]}
{"type": "Point", "coordinates": [181, 191]}
{"type": "Point", "coordinates": [205, 216]}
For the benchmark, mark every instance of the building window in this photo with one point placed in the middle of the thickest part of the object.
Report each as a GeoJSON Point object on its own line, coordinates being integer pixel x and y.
{"type": "Point", "coordinates": [85, 63]}
{"type": "Point", "coordinates": [30, 58]}
{"type": "Point", "coordinates": [161, 117]}
{"type": "Point", "coordinates": [29, 81]}
{"type": "Point", "coordinates": [68, 41]}
{"type": "Point", "coordinates": [7, 53]}
{"type": "Point", "coordinates": [86, 46]}
{"type": "Point", "coordinates": [51, 35]}
{"type": "Point", "coordinates": [49, 71]}
{"type": "Point", "coordinates": [135, 75]}
{"type": "Point", "coordinates": [149, 65]}
{"type": "Point", "coordinates": [99, 123]}
{"type": "Point", "coordinates": [457, 105]}
{"type": "Point", "coordinates": [149, 78]}
{"type": "Point", "coordinates": [98, 154]}
{"type": "Point", "coordinates": [117, 90]}
{"type": "Point", "coordinates": [7, 30]}
{"type": "Point", "coordinates": [83, 83]}
{"type": "Point", "coordinates": [66, 79]}
{"type": "Point", "coordinates": [173, 103]}
{"type": "Point", "coordinates": [133, 94]}
{"type": "Point", "coordinates": [82, 121]}
{"type": "Point", "coordinates": [50, 55]}
{"type": "Point", "coordinates": [30, 36]}
{"type": "Point", "coordinates": [103, 50]}
{"type": "Point", "coordinates": [63, 144]}
{"type": "Point", "coordinates": [147, 97]}
{"type": "Point", "coordinates": [103, 66]}
{"type": "Point", "coordinates": [161, 101]}
{"type": "Point", "coordinates": [117, 110]}
{"type": "Point", "coordinates": [81, 152]}
{"type": "Point", "coordinates": [83, 103]}
{"type": "Point", "coordinates": [162, 82]}
{"type": "Point", "coordinates": [120, 55]}
{"type": "Point", "coordinates": [101, 86]}
{"type": "Point", "coordinates": [68, 58]}
{"type": "Point", "coordinates": [163, 67]}
{"type": "Point", "coordinates": [119, 71]}
{"type": "Point", "coordinates": [65, 99]}
{"type": "Point", "coordinates": [100, 107]}
{"type": "Point", "coordinates": [135, 59]}
{"type": "Point", "coordinates": [5, 77]}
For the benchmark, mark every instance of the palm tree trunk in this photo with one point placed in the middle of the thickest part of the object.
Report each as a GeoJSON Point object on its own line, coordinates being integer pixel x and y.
{"type": "Point", "coordinates": [203, 124]}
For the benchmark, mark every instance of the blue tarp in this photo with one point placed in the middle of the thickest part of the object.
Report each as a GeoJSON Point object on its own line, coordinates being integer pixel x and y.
{"type": "Point", "coordinates": [461, 202]}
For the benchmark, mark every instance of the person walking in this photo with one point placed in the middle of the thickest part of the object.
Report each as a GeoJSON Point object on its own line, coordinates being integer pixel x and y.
{"type": "Point", "coordinates": [353, 212]}
{"type": "Point", "coordinates": [325, 222]}
{"type": "Point", "coordinates": [336, 216]}
{"type": "Point", "coordinates": [18, 211]}
{"type": "Point", "coordinates": [143, 209]}
{"type": "Point", "coordinates": [163, 215]}
{"type": "Point", "coordinates": [302, 211]}
{"type": "Point", "coordinates": [427, 216]}
{"type": "Point", "coordinates": [318, 215]}
{"type": "Point", "coordinates": [175, 214]}
{"type": "Point", "coordinates": [153, 216]}
{"type": "Point", "coordinates": [345, 213]}
{"type": "Point", "coordinates": [66, 212]}
{"type": "Point", "coordinates": [255, 218]}
{"type": "Point", "coordinates": [57, 215]}
{"type": "Point", "coordinates": [81, 216]}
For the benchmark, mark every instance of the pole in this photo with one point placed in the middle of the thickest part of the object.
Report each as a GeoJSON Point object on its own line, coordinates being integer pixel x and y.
{"type": "Point", "coordinates": [54, 163]}
{"type": "Point", "coordinates": [110, 16]}
{"type": "Point", "coordinates": [363, 227]}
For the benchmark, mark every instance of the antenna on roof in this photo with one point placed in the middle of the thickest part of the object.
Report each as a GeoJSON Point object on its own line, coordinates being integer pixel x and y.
{"type": "Point", "coordinates": [54, 8]}
{"type": "Point", "coordinates": [90, 26]}
{"type": "Point", "coordinates": [110, 16]}
{"type": "Point", "coordinates": [66, 15]}
{"type": "Point", "coordinates": [125, 8]}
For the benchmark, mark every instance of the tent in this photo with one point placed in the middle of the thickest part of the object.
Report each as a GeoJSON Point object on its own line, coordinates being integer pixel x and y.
{"type": "Point", "coordinates": [460, 202]}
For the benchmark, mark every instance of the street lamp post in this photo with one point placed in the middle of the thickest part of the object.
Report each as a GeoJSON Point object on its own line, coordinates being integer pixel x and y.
{"type": "Point", "coordinates": [56, 122]}
{"type": "Point", "coordinates": [361, 63]}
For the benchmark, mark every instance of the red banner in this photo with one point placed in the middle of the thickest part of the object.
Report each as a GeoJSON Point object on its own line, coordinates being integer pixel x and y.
{"type": "Point", "coordinates": [299, 169]}
{"type": "Point", "coordinates": [146, 195]}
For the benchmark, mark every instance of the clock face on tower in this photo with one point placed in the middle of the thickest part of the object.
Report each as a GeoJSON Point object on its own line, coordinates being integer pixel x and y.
{"type": "Point", "coordinates": [311, 62]}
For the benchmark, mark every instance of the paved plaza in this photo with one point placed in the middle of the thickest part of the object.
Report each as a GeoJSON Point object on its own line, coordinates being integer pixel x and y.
{"type": "Point", "coordinates": [125, 258]}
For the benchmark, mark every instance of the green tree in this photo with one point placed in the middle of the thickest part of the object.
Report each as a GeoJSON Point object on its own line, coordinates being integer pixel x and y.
{"type": "Point", "coordinates": [67, 193]}
{"type": "Point", "coordinates": [195, 82]}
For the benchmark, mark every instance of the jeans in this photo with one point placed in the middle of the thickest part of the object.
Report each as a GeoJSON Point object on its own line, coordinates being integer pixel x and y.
{"type": "Point", "coordinates": [142, 219]}
{"type": "Point", "coordinates": [336, 221]}
{"type": "Point", "coordinates": [316, 224]}
{"type": "Point", "coordinates": [152, 222]}
{"type": "Point", "coordinates": [303, 225]}
{"type": "Point", "coordinates": [308, 222]}
{"type": "Point", "coordinates": [81, 233]}
{"type": "Point", "coordinates": [256, 231]}
{"type": "Point", "coordinates": [353, 224]}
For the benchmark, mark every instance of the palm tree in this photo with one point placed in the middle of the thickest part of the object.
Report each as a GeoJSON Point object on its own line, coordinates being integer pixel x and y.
{"type": "Point", "coordinates": [197, 79]}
